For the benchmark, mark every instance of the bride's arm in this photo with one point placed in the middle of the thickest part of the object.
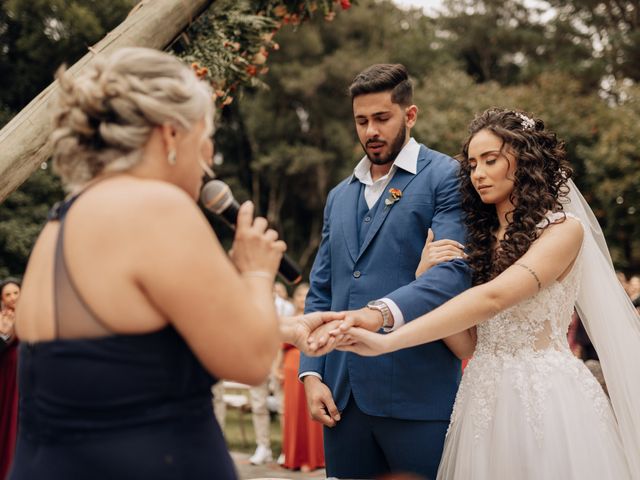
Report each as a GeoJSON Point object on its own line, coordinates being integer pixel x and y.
{"type": "Point", "coordinates": [547, 259]}
{"type": "Point", "coordinates": [462, 344]}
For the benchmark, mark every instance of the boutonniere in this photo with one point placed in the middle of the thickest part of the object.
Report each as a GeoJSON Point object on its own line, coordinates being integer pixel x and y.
{"type": "Point", "coordinates": [394, 196]}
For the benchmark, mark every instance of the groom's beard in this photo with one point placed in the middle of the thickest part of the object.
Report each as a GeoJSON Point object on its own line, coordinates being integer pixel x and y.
{"type": "Point", "coordinates": [396, 147]}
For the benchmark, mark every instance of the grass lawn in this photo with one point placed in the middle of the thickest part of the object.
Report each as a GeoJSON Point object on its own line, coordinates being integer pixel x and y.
{"type": "Point", "coordinates": [233, 432]}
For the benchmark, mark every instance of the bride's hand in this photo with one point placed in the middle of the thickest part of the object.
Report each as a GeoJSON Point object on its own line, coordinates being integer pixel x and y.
{"type": "Point", "coordinates": [437, 252]}
{"type": "Point", "coordinates": [365, 343]}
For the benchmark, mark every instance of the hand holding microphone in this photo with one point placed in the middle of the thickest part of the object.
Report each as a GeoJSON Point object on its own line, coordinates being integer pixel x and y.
{"type": "Point", "coordinates": [256, 249]}
{"type": "Point", "coordinates": [216, 197]}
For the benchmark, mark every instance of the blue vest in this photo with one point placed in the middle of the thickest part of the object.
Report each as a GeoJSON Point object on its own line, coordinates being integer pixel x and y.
{"type": "Point", "coordinates": [366, 215]}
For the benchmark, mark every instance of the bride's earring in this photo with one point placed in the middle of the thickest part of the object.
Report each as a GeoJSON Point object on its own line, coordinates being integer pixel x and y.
{"type": "Point", "coordinates": [172, 157]}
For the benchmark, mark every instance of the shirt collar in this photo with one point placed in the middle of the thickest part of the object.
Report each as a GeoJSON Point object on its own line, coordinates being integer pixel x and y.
{"type": "Point", "coordinates": [407, 160]}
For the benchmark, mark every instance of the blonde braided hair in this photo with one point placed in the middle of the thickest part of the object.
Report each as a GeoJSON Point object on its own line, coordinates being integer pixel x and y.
{"type": "Point", "coordinates": [107, 113]}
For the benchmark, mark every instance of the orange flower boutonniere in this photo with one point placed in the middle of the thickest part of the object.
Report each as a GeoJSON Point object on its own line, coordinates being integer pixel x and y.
{"type": "Point", "coordinates": [394, 196]}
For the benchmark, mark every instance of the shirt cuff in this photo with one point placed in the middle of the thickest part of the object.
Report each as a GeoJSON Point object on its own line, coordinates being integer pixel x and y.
{"type": "Point", "coordinates": [398, 318]}
{"type": "Point", "coordinates": [306, 374]}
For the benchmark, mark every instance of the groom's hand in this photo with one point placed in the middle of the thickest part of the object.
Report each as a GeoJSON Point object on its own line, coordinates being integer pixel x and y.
{"type": "Point", "coordinates": [366, 318]}
{"type": "Point", "coordinates": [320, 401]}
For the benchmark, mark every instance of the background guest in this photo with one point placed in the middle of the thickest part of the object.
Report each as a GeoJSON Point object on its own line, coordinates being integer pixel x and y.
{"type": "Point", "coordinates": [302, 437]}
{"type": "Point", "coordinates": [260, 394]}
{"type": "Point", "coordinates": [9, 293]}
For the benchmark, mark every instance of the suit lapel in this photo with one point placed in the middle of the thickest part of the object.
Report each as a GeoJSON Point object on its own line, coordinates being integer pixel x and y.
{"type": "Point", "coordinates": [348, 202]}
{"type": "Point", "coordinates": [400, 180]}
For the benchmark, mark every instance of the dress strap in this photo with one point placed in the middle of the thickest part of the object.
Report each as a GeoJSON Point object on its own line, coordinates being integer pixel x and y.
{"type": "Point", "coordinates": [73, 318]}
{"type": "Point", "coordinates": [554, 217]}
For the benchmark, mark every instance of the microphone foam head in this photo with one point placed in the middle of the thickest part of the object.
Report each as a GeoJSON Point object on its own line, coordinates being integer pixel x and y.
{"type": "Point", "coordinates": [216, 196]}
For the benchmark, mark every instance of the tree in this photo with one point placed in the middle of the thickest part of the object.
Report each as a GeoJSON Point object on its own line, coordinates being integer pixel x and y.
{"type": "Point", "coordinates": [613, 27]}
{"type": "Point", "coordinates": [295, 140]}
{"type": "Point", "coordinates": [36, 36]}
{"type": "Point", "coordinates": [511, 41]}
{"type": "Point", "coordinates": [46, 32]}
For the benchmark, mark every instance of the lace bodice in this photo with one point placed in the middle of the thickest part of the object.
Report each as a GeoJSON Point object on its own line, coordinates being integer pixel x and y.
{"type": "Point", "coordinates": [524, 345]}
{"type": "Point", "coordinates": [538, 323]}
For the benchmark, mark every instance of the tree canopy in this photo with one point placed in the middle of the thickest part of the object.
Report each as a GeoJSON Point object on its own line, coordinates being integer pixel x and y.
{"type": "Point", "coordinates": [286, 137]}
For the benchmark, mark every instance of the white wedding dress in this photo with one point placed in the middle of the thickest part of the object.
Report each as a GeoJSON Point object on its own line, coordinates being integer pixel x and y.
{"type": "Point", "coordinates": [526, 407]}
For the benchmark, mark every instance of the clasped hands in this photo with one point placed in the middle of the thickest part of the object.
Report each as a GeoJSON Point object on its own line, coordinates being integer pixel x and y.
{"type": "Point", "coordinates": [319, 333]}
{"type": "Point", "coordinates": [355, 330]}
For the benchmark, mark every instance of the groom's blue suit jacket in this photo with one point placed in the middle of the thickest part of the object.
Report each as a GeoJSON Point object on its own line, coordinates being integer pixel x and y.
{"type": "Point", "coordinates": [416, 383]}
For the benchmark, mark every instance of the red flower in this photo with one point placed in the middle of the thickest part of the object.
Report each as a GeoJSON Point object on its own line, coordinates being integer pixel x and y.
{"type": "Point", "coordinates": [345, 4]}
{"type": "Point", "coordinates": [252, 70]}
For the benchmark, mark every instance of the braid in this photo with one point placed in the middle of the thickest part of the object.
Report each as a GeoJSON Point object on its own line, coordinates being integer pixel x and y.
{"type": "Point", "coordinates": [106, 114]}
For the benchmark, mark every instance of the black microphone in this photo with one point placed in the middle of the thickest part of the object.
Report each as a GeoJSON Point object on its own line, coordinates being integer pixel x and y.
{"type": "Point", "coordinates": [216, 197]}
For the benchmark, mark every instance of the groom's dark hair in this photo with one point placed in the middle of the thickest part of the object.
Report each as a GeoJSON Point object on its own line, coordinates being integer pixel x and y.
{"type": "Point", "coordinates": [384, 77]}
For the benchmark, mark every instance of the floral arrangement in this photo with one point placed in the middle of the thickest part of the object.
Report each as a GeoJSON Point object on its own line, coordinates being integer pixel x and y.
{"type": "Point", "coordinates": [229, 46]}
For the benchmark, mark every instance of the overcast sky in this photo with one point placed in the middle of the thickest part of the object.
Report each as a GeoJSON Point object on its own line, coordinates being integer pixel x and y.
{"type": "Point", "coordinates": [428, 5]}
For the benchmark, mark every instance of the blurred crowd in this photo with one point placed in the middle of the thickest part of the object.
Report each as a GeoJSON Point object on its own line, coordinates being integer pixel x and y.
{"type": "Point", "coordinates": [282, 394]}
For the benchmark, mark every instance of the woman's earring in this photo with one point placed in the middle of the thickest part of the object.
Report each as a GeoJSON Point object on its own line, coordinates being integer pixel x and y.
{"type": "Point", "coordinates": [171, 157]}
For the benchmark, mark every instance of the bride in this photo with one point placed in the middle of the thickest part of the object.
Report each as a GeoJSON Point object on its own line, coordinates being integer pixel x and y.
{"type": "Point", "coordinates": [526, 407]}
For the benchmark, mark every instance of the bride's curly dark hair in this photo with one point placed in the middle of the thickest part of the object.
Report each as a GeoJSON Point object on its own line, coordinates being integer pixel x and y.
{"type": "Point", "coordinates": [540, 182]}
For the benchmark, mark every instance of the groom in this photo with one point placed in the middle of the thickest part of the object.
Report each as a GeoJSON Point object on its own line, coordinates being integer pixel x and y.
{"type": "Point", "coordinates": [387, 413]}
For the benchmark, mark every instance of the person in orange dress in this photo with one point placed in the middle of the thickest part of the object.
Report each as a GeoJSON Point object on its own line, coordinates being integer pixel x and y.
{"type": "Point", "coordinates": [302, 437]}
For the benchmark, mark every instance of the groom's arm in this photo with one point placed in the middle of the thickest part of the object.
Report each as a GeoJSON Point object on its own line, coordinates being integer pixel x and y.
{"type": "Point", "coordinates": [445, 280]}
{"type": "Point", "coordinates": [319, 295]}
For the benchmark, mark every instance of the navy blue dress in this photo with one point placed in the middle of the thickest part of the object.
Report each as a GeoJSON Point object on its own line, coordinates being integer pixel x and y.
{"type": "Point", "coordinates": [94, 405]}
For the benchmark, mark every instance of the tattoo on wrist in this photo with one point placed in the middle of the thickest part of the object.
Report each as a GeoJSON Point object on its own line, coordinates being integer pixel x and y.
{"type": "Point", "coordinates": [530, 270]}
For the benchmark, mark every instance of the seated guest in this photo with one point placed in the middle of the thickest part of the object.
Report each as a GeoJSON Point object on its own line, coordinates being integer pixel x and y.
{"type": "Point", "coordinates": [118, 353]}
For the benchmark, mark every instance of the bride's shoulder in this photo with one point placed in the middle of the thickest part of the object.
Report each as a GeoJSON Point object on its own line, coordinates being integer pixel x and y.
{"type": "Point", "coordinates": [562, 225]}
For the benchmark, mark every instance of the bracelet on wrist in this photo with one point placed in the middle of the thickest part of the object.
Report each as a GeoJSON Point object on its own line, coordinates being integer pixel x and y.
{"type": "Point", "coordinates": [259, 274]}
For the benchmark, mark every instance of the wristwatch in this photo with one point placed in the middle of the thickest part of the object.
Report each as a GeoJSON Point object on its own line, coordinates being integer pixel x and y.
{"type": "Point", "coordinates": [379, 305]}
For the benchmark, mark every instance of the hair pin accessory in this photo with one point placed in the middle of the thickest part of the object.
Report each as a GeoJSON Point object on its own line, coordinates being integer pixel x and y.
{"type": "Point", "coordinates": [527, 123]}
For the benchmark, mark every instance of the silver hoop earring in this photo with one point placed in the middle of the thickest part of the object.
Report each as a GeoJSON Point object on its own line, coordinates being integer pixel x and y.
{"type": "Point", "coordinates": [172, 157]}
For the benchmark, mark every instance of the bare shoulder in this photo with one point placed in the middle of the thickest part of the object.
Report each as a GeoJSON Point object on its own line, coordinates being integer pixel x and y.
{"type": "Point", "coordinates": [137, 194]}
{"type": "Point", "coordinates": [147, 216]}
{"type": "Point", "coordinates": [136, 202]}
{"type": "Point", "coordinates": [567, 232]}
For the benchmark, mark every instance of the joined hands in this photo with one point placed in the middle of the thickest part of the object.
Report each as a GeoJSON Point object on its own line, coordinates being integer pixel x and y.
{"type": "Point", "coordinates": [319, 333]}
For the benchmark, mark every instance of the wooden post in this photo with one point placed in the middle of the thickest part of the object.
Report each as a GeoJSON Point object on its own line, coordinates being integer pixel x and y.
{"type": "Point", "coordinates": [24, 140]}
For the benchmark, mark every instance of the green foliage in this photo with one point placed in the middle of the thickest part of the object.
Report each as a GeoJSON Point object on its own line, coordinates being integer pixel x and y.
{"type": "Point", "coordinates": [36, 37]}
{"type": "Point", "coordinates": [612, 164]}
{"type": "Point", "coordinates": [613, 28]}
{"type": "Point", "coordinates": [512, 41]}
{"type": "Point", "coordinates": [287, 136]}
{"type": "Point", "coordinates": [22, 216]}
{"type": "Point", "coordinates": [233, 39]}
{"type": "Point", "coordinates": [299, 134]}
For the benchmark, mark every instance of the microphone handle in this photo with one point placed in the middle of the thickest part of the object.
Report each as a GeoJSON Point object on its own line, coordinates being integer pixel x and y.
{"type": "Point", "coordinates": [288, 269]}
